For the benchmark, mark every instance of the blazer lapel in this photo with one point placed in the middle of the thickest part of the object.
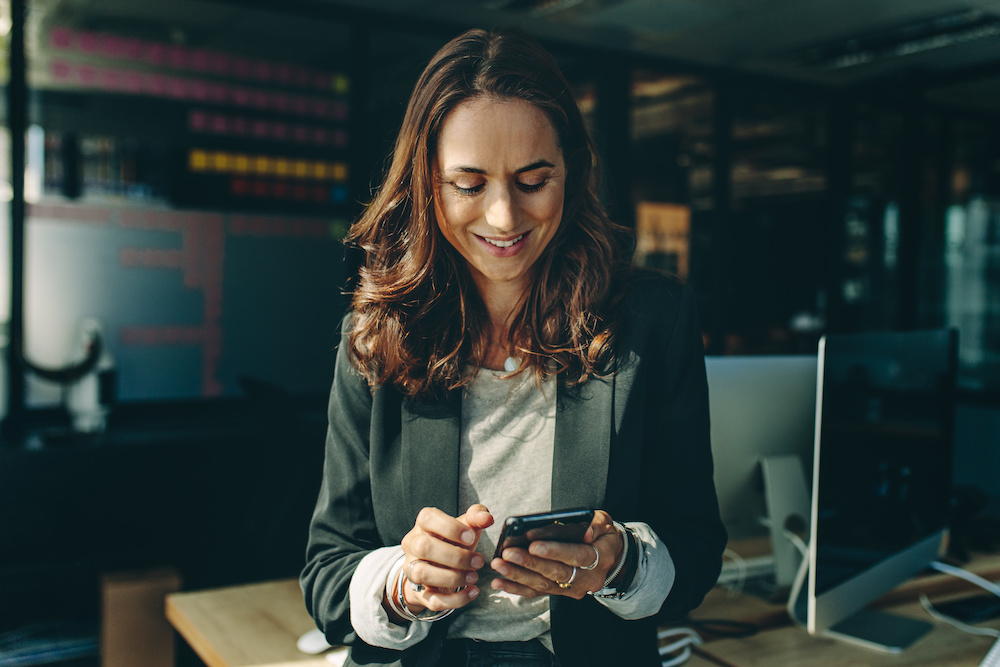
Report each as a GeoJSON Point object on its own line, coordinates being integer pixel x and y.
{"type": "Point", "coordinates": [430, 445]}
{"type": "Point", "coordinates": [582, 444]}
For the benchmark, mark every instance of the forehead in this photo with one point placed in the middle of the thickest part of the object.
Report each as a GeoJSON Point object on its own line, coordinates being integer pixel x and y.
{"type": "Point", "coordinates": [503, 134]}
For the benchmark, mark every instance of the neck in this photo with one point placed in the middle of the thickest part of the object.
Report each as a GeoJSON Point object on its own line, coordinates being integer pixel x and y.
{"type": "Point", "coordinates": [501, 303]}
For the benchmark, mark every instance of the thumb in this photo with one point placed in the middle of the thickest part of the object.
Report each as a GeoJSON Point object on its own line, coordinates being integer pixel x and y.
{"type": "Point", "coordinates": [477, 517]}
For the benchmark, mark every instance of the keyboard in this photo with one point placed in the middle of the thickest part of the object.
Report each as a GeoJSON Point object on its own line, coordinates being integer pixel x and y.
{"type": "Point", "coordinates": [992, 658]}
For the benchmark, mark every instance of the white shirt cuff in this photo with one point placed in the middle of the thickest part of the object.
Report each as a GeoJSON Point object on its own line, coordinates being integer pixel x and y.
{"type": "Point", "coordinates": [369, 619]}
{"type": "Point", "coordinates": [653, 579]}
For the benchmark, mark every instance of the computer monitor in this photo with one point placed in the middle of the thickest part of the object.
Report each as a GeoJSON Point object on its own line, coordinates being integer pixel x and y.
{"type": "Point", "coordinates": [759, 406]}
{"type": "Point", "coordinates": [881, 478]}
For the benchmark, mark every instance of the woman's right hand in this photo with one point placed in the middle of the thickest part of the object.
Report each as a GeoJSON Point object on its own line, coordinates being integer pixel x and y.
{"type": "Point", "coordinates": [441, 559]}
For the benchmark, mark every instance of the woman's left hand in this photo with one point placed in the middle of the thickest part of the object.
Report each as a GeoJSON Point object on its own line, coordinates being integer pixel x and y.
{"type": "Point", "coordinates": [545, 568]}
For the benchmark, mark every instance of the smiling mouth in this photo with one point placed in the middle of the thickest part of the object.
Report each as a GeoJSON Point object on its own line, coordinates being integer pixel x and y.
{"type": "Point", "coordinates": [502, 244]}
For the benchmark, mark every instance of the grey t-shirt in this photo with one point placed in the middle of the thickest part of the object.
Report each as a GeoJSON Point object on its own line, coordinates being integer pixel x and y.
{"type": "Point", "coordinates": [505, 463]}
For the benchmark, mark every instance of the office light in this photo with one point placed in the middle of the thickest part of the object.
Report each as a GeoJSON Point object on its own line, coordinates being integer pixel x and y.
{"type": "Point", "coordinates": [905, 39]}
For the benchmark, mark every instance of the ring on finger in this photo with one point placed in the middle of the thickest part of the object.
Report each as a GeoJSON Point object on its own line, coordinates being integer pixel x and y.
{"type": "Point", "coordinates": [597, 558]}
{"type": "Point", "coordinates": [569, 582]}
{"type": "Point", "coordinates": [408, 575]}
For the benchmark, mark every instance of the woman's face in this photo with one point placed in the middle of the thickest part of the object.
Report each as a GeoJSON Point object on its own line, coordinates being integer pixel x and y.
{"type": "Point", "coordinates": [501, 180]}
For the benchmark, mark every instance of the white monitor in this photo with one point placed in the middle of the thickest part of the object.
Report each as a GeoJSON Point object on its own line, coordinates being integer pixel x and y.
{"type": "Point", "coordinates": [881, 479]}
{"type": "Point", "coordinates": [759, 406]}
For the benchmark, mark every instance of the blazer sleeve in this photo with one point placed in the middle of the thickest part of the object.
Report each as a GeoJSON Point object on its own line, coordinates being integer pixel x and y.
{"type": "Point", "coordinates": [676, 485]}
{"type": "Point", "coordinates": [343, 529]}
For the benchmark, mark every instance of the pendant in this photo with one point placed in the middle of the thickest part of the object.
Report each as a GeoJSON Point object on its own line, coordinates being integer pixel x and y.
{"type": "Point", "coordinates": [510, 364]}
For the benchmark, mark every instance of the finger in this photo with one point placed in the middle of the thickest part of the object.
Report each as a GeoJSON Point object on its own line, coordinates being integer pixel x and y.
{"type": "Point", "coordinates": [530, 584]}
{"type": "Point", "coordinates": [441, 600]}
{"type": "Point", "coordinates": [434, 521]}
{"type": "Point", "coordinates": [514, 588]}
{"type": "Point", "coordinates": [580, 555]}
{"type": "Point", "coordinates": [547, 572]}
{"type": "Point", "coordinates": [431, 548]}
{"type": "Point", "coordinates": [426, 573]}
{"type": "Point", "coordinates": [517, 566]}
{"type": "Point", "coordinates": [600, 525]}
{"type": "Point", "coordinates": [477, 517]}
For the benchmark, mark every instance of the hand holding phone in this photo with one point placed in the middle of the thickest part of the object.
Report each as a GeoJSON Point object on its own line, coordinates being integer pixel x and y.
{"type": "Point", "coordinates": [557, 526]}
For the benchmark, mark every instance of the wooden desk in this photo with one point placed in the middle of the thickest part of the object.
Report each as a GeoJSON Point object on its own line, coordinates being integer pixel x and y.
{"type": "Point", "coordinates": [721, 604]}
{"type": "Point", "coordinates": [255, 625]}
{"type": "Point", "coordinates": [779, 643]}
{"type": "Point", "coordinates": [944, 646]}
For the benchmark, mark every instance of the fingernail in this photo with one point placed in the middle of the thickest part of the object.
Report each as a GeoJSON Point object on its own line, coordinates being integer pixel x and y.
{"type": "Point", "coordinates": [502, 569]}
{"type": "Point", "coordinates": [514, 557]}
{"type": "Point", "coordinates": [468, 536]}
{"type": "Point", "coordinates": [471, 578]}
{"type": "Point", "coordinates": [478, 561]}
{"type": "Point", "coordinates": [539, 549]}
{"type": "Point", "coordinates": [473, 592]}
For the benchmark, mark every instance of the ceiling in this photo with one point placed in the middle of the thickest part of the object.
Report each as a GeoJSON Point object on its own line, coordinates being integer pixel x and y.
{"type": "Point", "coordinates": [950, 46]}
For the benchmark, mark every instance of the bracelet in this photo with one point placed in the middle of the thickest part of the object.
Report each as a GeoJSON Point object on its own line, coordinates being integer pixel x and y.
{"type": "Point", "coordinates": [608, 591]}
{"type": "Point", "coordinates": [632, 563]}
{"type": "Point", "coordinates": [398, 601]}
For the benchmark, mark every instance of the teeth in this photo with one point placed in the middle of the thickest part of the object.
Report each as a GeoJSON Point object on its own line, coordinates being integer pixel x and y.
{"type": "Point", "coordinates": [504, 244]}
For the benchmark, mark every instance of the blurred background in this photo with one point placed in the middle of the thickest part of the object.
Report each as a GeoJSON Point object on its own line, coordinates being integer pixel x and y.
{"type": "Point", "coordinates": [189, 168]}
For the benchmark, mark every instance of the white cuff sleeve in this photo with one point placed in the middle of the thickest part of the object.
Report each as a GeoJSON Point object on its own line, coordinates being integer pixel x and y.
{"type": "Point", "coordinates": [653, 579]}
{"type": "Point", "coordinates": [369, 619]}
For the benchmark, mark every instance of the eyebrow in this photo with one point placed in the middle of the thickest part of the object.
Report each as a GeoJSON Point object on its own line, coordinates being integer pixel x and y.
{"type": "Point", "coordinates": [540, 164]}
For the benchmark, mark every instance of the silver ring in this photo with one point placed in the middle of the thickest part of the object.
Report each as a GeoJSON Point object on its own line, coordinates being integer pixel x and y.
{"type": "Point", "coordinates": [415, 587]}
{"type": "Point", "coordinates": [569, 582]}
{"type": "Point", "coordinates": [597, 558]}
{"type": "Point", "coordinates": [407, 571]}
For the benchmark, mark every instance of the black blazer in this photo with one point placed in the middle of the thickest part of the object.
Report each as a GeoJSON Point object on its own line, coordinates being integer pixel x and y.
{"type": "Point", "coordinates": [644, 431]}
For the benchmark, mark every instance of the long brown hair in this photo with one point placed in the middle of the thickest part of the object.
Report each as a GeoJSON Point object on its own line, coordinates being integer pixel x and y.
{"type": "Point", "coordinates": [419, 322]}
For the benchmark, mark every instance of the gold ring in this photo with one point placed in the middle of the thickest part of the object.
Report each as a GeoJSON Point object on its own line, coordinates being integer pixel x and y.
{"type": "Point", "coordinates": [597, 558]}
{"type": "Point", "coordinates": [569, 582]}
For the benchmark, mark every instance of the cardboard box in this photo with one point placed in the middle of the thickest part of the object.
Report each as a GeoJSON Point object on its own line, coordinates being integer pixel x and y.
{"type": "Point", "coordinates": [134, 629]}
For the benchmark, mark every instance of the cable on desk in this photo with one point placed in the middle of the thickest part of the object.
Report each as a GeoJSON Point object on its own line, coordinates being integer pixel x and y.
{"type": "Point", "coordinates": [687, 639]}
{"type": "Point", "coordinates": [972, 578]}
{"type": "Point", "coordinates": [954, 622]}
{"type": "Point", "coordinates": [741, 572]}
{"type": "Point", "coordinates": [968, 576]}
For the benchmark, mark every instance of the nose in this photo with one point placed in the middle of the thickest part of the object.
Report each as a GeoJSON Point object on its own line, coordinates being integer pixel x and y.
{"type": "Point", "coordinates": [500, 209]}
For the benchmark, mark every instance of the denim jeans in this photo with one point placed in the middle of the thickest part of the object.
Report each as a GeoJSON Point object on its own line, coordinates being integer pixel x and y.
{"type": "Point", "coordinates": [470, 653]}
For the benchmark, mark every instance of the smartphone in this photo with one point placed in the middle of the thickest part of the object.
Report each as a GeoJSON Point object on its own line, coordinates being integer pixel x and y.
{"type": "Point", "coordinates": [557, 526]}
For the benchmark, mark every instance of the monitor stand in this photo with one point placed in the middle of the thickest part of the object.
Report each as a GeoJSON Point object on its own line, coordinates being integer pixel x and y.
{"type": "Point", "coordinates": [880, 631]}
{"type": "Point", "coordinates": [872, 629]}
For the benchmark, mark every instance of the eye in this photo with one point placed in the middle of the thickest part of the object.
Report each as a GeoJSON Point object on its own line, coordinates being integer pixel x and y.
{"type": "Point", "coordinates": [467, 192]}
{"type": "Point", "coordinates": [531, 187]}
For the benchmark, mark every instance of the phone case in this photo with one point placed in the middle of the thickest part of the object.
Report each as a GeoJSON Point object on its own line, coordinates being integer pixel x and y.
{"type": "Point", "coordinates": [558, 526]}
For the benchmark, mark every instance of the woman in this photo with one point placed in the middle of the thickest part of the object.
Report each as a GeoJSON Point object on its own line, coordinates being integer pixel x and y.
{"type": "Point", "coordinates": [501, 358]}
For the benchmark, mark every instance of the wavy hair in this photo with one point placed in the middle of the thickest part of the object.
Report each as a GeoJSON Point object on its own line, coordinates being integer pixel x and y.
{"type": "Point", "coordinates": [419, 322]}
